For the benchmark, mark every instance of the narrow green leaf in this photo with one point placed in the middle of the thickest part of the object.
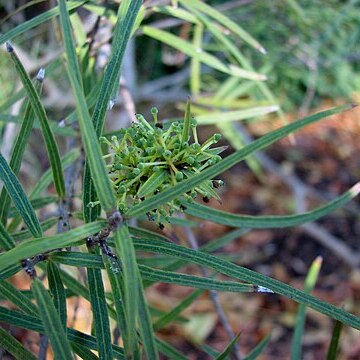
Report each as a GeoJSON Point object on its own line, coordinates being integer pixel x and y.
{"type": "Point", "coordinates": [6, 240]}
{"type": "Point", "coordinates": [270, 221]}
{"type": "Point", "coordinates": [248, 276]}
{"type": "Point", "coordinates": [46, 177]}
{"type": "Point", "coordinates": [36, 203]}
{"type": "Point", "coordinates": [186, 130]}
{"type": "Point", "coordinates": [256, 352]}
{"type": "Point", "coordinates": [27, 25]}
{"type": "Point", "coordinates": [204, 57]}
{"type": "Point", "coordinates": [169, 351]}
{"type": "Point", "coordinates": [235, 115]}
{"type": "Point", "coordinates": [21, 320]}
{"type": "Point", "coordinates": [19, 148]}
{"type": "Point", "coordinates": [26, 234]}
{"type": "Point", "coordinates": [173, 314]}
{"type": "Point", "coordinates": [57, 291]}
{"type": "Point", "coordinates": [195, 67]}
{"type": "Point", "coordinates": [92, 148]}
{"type": "Point", "coordinates": [225, 21]}
{"type": "Point", "coordinates": [152, 183]}
{"type": "Point", "coordinates": [177, 12]}
{"type": "Point", "coordinates": [151, 274]}
{"type": "Point", "coordinates": [39, 111]}
{"type": "Point", "coordinates": [116, 281]}
{"type": "Point", "coordinates": [51, 321]}
{"type": "Point", "coordinates": [146, 327]}
{"type": "Point", "coordinates": [230, 161]}
{"type": "Point", "coordinates": [14, 347]}
{"type": "Point", "coordinates": [310, 281]}
{"type": "Point", "coordinates": [126, 253]}
{"type": "Point", "coordinates": [15, 296]}
{"type": "Point", "coordinates": [18, 197]}
{"type": "Point", "coordinates": [229, 348]}
{"type": "Point", "coordinates": [124, 25]}
{"type": "Point", "coordinates": [9, 271]}
{"type": "Point", "coordinates": [40, 245]}
{"type": "Point", "coordinates": [333, 350]}
{"type": "Point", "coordinates": [100, 313]}
{"type": "Point", "coordinates": [83, 352]}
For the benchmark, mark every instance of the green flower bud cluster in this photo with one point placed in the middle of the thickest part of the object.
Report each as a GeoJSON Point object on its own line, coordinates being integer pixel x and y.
{"type": "Point", "coordinates": [146, 159]}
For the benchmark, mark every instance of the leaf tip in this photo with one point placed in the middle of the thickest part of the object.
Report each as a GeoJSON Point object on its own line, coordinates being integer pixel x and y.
{"type": "Point", "coordinates": [355, 189]}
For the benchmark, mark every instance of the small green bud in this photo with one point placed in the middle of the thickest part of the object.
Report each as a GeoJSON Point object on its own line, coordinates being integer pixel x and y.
{"type": "Point", "coordinates": [156, 168]}
{"type": "Point", "coordinates": [195, 147]}
{"type": "Point", "coordinates": [179, 176]}
{"type": "Point", "coordinates": [154, 110]}
{"type": "Point", "coordinates": [118, 167]}
{"type": "Point", "coordinates": [136, 171]}
{"type": "Point", "coordinates": [167, 153]}
{"type": "Point", "coordinates": [121, 189]}
{"type": "Point", "coordinates": [190, 160]}
{"type": "Point", "coordinates": [193, 122]}
{"type": "Point", "coordinates": [217, 137]}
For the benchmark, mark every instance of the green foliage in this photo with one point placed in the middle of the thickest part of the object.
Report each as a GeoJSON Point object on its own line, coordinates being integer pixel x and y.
{"type": "Point", "coordinates": [155, 169]}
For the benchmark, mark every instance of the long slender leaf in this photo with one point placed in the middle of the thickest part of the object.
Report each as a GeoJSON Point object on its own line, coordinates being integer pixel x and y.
{"type": "Point", "coordinates": [192, 51]}
{"type": "Point", "coordinates": [171, 315]}
{"type": "Point", "coordinates": [230, 161]}
{"type": "Point", "coordinates": [14, 347]}
{"type": "Point", "coordinates": [14, 295]}
{"type": "Point", "coordinates": [52, 323]}
{"type": "Point", "coordinates": [19, 198]}
{"type": "Point", "coordinates": [83, 352]}
{"type": "Point", "coordinates": [27, 25]}
{"type": "Point", "coordinates": [36, 203]}
{"type": "Point", "coordinates": [146, 327]}
{"type": "Point", "coordinates": [310, 281]}
{"type": "Point", "coordinates": [271, 221]}
{"type": "Point", "coordinates": [256, 352]}
{"type": "Point", "coordinates": [57, 291]}
{"type": "Point", "coordinates": [39, 111]}
{"type": "Point", "coordinates": [124, 25]}
{"type": "Point", "coordinates": [156, 275]}
{"type": "Point", "coordinates": [100, 313]}
{"type": "Point", "coordinates": [41, 245]}
{"type": "Point", "coordinates": [19, 147]}
{"type": "Point", "coordinates": [92, 148]}
{"type": "Point", "coordinates": [229, 348]}
{"type": "Point", "coordinates": [249, 276]}
{"type": "Point", "coordinates": [32, 323]}
{"type": "Point", "coordinates": [126, 253]}
{"type": "Point", "coordinates": [225, 21]}
{"type": "Point", "coordinates": [6, 240]}
{"type": "Point", "coordinates": [333, 350]}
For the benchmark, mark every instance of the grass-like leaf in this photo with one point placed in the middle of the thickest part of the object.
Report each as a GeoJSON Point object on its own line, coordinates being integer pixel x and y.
{"type": "Point", "coordinates": [229, 348]}
{"type": "Point", "coordinates": [126, 253]}
{"type": "Point", "coordinates": [6, 240]}
{"type": "Point", "coordinates": [151, 274]}
{"type": "Point", "coordinates": [15, 296]}
{"type": "Point", "coordinates": [57, 291]}
{"type": "Point", "coordinates": [271, 221]}
{"type": "Point", "coordinates": [124, 25]}
{"type": "Point", "coordinates": [310, 282]}
{"type": "Point", "coordinates": [90, 140]}
{"type": "Point", "coordinates": [21, 320]}
{"type": "Point", "coordinates": [19, 198]}
{"type": "Point", "coordinates": [146, 327]}
{"type": "Point", "coordinates": [249, 276]}
{"type": "Point", "coordinates": [36, 203]}
{"type": "Point", "coordinates": [235, 115]}
{"type": "Point", "coordinates": [39, 111]}
{"type": "Point", "coordinates": [257, 351]}
{"type": "Point", "coordinates": [333, 350]}
{"type": "Point", "coordinates": [230, 161]}
{"type": "Point", "coordinates": [206, 58]}
{"type": "Point", "coordinates": [173, 314]}
{"type": "Point", "coordinates": [19, 147]}
{"type": "Point", "coordinates": [51, 321]}
{"type": "Point", "coordinates": [40, 245]}
{"type": "Point", "coordinates": [99, 310]}
{"type": "Point", "coordinates": [27, 25]}
{"type": "Point", "coordinates": [14, 347]}
{"type": "Point", "coordinates": [225, 21]}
